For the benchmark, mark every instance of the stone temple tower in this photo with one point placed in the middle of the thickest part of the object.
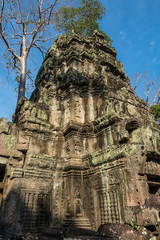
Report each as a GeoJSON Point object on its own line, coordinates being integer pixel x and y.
{"type": "Point", "coordinates": [84, 150]}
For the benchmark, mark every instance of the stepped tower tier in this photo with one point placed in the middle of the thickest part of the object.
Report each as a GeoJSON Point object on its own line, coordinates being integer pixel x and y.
{"type": "Point", "coordinates": [84, 150]}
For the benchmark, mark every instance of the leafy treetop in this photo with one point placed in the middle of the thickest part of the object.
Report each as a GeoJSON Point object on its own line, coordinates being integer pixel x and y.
{"type": "Point", "coordinates": [82, 19]}
{"type": "Point", "coordinates": [156, 111]}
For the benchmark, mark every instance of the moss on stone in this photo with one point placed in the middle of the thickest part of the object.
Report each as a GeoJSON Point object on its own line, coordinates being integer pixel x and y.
{"type": "Point", "coordinates": [11, 141]}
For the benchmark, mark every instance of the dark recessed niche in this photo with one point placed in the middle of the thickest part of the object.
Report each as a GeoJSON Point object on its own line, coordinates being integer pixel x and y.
{"type": "Point", "coordinates": [153, 183]}
{"type": "Point", "coordinates": [154, 189]}
{"type": "Point", "coordinates": [131, 126]}
{"type": "Point", "coordinates": [2, 172]}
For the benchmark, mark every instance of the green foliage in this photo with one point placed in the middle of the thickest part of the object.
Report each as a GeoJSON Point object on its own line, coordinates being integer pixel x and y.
{"type": "Point", "coordinates": [156, 111]}
{"type": "Point", "coordinates": [133, 225]}
{"type": "Point", "coordinates": [82, 20]}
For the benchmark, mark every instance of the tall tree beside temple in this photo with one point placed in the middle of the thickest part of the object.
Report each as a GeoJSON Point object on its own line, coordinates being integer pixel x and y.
{"type": "Point", "coordinates": [24, 25]}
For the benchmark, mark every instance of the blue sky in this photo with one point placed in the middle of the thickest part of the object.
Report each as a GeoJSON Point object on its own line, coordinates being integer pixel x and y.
{"type": "Point", "coordinates": [134, 29]}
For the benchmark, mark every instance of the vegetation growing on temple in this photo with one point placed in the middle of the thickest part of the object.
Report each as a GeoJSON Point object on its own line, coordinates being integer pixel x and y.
{"type": "Point", "coordinates": [81, 19]}
{"type": "Point", "coordinates": [156, 111]}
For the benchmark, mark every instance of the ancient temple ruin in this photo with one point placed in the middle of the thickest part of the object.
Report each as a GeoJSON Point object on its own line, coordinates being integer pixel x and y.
{"type": "Point", "coordinates": [84, 150]}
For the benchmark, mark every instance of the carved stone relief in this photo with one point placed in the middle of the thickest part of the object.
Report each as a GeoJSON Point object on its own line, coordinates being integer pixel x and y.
{"type": "Point", "coordinates": [83, 149]}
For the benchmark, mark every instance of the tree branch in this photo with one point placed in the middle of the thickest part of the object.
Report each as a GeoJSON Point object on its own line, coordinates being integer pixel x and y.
{"type": "Point", "coordinates": [50, 13]}
{"type": "Point", "coordinates": [33, 37]}
{"type": "Point", "coordinates": [40, 49]}
{"type": "Point", "coordinates": [19, 9]}
{"type": "Point", "coordinates": [157, 95]}
{"type": "Point", "coordinates": [40, 8]}
{"type": "Point", "coordinates": [37, 28]}
{"type": "Point", "coordinates": [44, 39]}
{"type": "Point", "coordinates": [2, 32]}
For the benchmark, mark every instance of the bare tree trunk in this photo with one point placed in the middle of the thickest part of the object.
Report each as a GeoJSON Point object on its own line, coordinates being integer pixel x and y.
{"type": "Point", "coordinates": [23, 63]}
{"type": "Point", "coordinates": [21, 91]}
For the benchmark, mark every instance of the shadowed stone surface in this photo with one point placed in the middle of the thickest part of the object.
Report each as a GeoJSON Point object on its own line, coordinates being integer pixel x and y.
{"type": "Point", "coordinates": [122, 231]}
{"type": "Point", "coordinates": [84, 150]}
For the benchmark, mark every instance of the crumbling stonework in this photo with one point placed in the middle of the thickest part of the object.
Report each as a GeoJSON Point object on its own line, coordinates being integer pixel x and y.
{"type": "Point", "coordinates": [84, 150]}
